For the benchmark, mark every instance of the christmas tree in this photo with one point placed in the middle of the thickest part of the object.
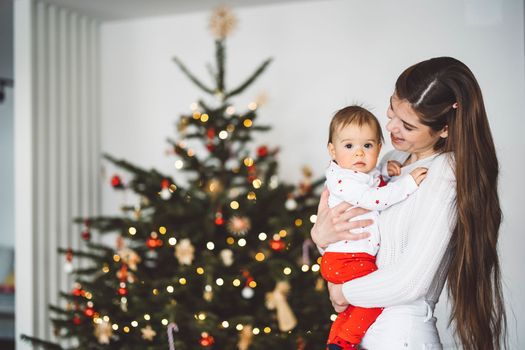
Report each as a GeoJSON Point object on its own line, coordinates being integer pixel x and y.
{"type": "Point", "coordinates": [221, 262]}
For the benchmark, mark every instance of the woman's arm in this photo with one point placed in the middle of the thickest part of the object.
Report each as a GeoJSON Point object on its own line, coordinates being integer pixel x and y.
{"type": "Point", "coordinates": [410, 277]}
{"type": "Point", "coordinates": [333, 224]}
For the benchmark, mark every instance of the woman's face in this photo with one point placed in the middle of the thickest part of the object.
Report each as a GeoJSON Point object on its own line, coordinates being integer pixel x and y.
{"type": "Point", "coordinates": [407, 132]}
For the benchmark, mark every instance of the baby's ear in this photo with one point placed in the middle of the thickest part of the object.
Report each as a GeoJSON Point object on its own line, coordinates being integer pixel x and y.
{"type": "Point", "coordinates": [331, 150]}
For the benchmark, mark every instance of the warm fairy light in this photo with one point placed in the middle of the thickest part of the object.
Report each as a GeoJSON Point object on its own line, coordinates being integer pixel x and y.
{"type": "Point", "coordinates": [225, 324]}
{"type": "Point", "coordinates": [239, 327]}
{"type": "Point", "coordinates": [134, 324]}
{"type": "Point", "coordinates": [97, 320]}
{"type": "Point", "coordinates": [132, 231]}
{"type": "Point", "coordinates": [194, 106]}
{"type": "Point", "coordinates": [234, 205]}
{"type": "Point", "coordinates": [241, 242]}
{"type": "Point", "coordinates": [116, 258]}
{"type": "Point", "coordinates": [106, 318]}
{"type": "Point", "coordinates": [223, 135]}
{"type": "Point", "coordinates": [252, 106]}
{"type": "Point", "coordinates": [219, 281]}
{"type": "Point", "coordinates": [182, 281]}
{"type": "Point", "coordinates": [155, 291]}
{"type": "Point", "coordinates": [230, 128]}
{"type": "Point", "coordinates": [230, 110]}
{"type": "Point", "coordinates": [173, 188]}
{"type": "Point", "coordinates": [276, 237]}
{"type": "Point", "coordinates": [179, 164]}
{"type": "Point", "coordinates": [267, 330]}
{"type": "Point", "coordinates": [170, 289]}
{"type": "Point", "coordinates": [251, 196]}
{"type": "Point", "coordinates": [122, 285]}
{"type": "Point", "coordinates": [172, 241]}
{"type": "Point", "coordinates": [247, 123]}
{"type": "Point", "coordinates": [88, 295]}
{"type": "Point", "coordinates": [313, 219]}
{"type": "Point", "coordinates": [298, 222]}
{"type": "Point", "coordinates": [190, 153]}
{"type": "Point", "coordinates": [315, 267]}
{"type": "Point", "coordinates": [248, 162]}
{"type": "Point", "coordinates": [126, 329]}
{"type": "Point", "coordinates": [200, 270]}
{"type": "Point", "coordinates": [262, 236]}
{"type": "Point", "coordinates": [147, 317]}
{"type": "Point", "coordinates": [164, 322]}
{"type": "Point", "coordinates": [257, 183]}
{"type": "Point", "coordinates": [236, 282]}
{"type": "Point", "coordinates": [124, 300]}
{"type": "Point", "coordinates": [204, 117]}
{"type": "Point", "coordinates": [319, 259]}
{"type": "Point", "coordinates": [208, 288]}
{"type": "Point", "coordinates": [282, 233]}
{"type": "Point", "coordinates": [115, 327]}
{"type": "Point", "coordinates": [259, 256]}
{"type": "Point", "coordinates": [201, 316]}
{"type": "Point", "coordinates": [252, 284]}
{"type": "Point", "coordinates": [287, 270]}
{"type": "Point", "coordinates": [256, 331]}
{"type": "Point", "coordinates": [305, 268]}
{"type": "Point", "coordinates": [196, 115]}
{"type": "Point", "coordinates": [333, 317]}
{"type": "Point", "coordinates": [162, 230]}
{"type": "Point", "coordinates": [210, 245]}
{"type": "Point", "coordinates": [105, 268]}
{"type": "Point", "coordinates": [230, 240]}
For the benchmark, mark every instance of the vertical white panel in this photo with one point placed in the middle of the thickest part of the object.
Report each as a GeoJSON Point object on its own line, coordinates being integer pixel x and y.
{"type": "Point", "coordinates": [41, 177]}
{"type": "Point", "coordinates": [52, 166]}
{"type": "Point", "coordinates": [95, 60]}
{"type": "Point", "coordinates": [24, 178]}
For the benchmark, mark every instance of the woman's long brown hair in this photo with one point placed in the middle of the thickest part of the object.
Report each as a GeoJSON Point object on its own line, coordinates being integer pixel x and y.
{"type": "Point", "coordinates": [445, 94]}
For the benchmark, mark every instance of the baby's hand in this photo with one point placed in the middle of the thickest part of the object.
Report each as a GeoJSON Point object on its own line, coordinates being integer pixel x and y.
{"type": "Point", "coordinates": [393, 167]}
{"type": "Point", "coordinates": [419, 174]}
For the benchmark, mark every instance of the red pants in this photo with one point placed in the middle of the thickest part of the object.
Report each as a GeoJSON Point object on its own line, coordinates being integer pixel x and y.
{"type": "Point", "coordinates": [351, 324]}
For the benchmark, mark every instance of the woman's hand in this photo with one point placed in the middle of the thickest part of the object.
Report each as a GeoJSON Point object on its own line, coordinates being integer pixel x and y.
{"type": "Point", "coordinates": [333, 224]}
{"type": "Point", "coordinates": [337, 298]}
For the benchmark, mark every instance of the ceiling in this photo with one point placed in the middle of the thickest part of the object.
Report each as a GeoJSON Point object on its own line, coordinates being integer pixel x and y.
{"type": "Point", "coordinates": [111, 10]}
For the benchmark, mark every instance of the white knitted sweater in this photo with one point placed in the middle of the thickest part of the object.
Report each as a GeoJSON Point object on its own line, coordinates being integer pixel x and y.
{"type": "Point", "coordinates": [415, 234]}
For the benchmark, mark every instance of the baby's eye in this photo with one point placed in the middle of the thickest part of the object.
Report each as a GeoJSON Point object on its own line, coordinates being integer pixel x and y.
{"type": "Point", "coordinates": [368, 145]}
{"type": "Point", "coordinates": [348, 145]}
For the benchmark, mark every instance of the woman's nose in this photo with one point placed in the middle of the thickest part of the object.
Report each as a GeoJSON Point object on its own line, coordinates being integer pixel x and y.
{"type": "Point", "coordinates": [390, 125]}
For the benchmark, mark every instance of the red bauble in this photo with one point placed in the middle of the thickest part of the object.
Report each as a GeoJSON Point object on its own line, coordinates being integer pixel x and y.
{"type": "Point", "coordinates": [165, 183]}
{"type": "Point", "coordinates": [262, 151]}
{"type": "Point", "coordinates": [122, 291]}
{"type": "Point", "coordinates": [89, 312]}
{"type": "Point", "coordinates": [86, 235]}
{"type": "Point", "coordinates": [211, 133]}
{"type": "Point", "coordinates": [153, 243]}
{"type": "Point", "coordinates": [77, 292]}
{"type": "Point", "coordinates": [277, 245]}
{"type": "Point", "coordinates": [206, 340]}
{"type": "Point", "coordinates": [76, 320]}
{"type": "Point", "coordinates": [219, 220]}
{"type": "Point", "coordinates": [116, 182]}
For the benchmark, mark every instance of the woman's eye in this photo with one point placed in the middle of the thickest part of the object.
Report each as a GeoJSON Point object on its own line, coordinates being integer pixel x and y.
{"type": "Point", "coordinates": [408, 128]}
{"type": "Point", "coordinates": [349, 145]}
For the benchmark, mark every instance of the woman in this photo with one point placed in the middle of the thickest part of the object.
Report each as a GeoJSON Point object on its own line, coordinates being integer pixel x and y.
{"type": "Point", "coordinates": [447, 230]}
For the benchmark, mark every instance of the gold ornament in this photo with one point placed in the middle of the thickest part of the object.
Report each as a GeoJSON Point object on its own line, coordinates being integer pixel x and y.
{"type": "Point", "coordinates": [319, 285]}
{"type": "Point", "coordinates": [245, 337]}
{"type": "Point", "coordinates": [238, 225]}
{"type": "Point", "coordinates": [129, 257]}
{"type": "Point", "coordinates": [103, 331]}
{"type": "Point", "coordinates": [184, 251]}
{"type": "Point", "coordinates": [214, 187]}
{"type": "Point", "coordinates": [222, 22]}
{"type": "Point", "coordinates": [148, 333]}
{"type": "Point", "coordinates": [276, 300]}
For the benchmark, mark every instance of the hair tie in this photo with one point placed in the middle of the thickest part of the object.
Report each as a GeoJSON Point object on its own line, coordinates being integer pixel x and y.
{"type": "Point", "coordinates": [455, 105]}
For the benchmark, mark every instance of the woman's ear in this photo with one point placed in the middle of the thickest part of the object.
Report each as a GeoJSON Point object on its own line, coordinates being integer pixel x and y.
{"type": "Point", "coordinates": [444, 132]}
{"type": "Point", "coordinates": [331, 150]}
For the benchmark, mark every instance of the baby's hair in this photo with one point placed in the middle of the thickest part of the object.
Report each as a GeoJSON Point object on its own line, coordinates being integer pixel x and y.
{"type": "Point", "coordinates": [354, 115]}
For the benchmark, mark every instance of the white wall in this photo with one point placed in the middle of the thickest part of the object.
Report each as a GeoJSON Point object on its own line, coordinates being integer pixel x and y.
{"type": "Point", "coordinates": [327, 54]}
{"type": "Point", "coordinates": [7, 237]}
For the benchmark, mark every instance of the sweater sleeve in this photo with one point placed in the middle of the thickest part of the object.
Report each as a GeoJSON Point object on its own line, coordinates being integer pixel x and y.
{"type": "Point", "coordinates": [372, 198]}
{"type": "Point", "coordinates": [411, 275]}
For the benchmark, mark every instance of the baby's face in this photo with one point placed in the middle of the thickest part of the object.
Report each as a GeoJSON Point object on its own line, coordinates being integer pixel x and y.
{"type": "Point", "coordinates": [355, 147]}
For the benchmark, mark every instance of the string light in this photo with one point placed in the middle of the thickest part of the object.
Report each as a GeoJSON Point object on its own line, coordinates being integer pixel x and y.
{"type": "Point", "coordinates": [305, 268]}
{"type": "Point", "coordinates": [134, 324]}
{"type": "Point", "coordinates": [313, 219]}
{"type": "Point", "coordinates": [257, 183]}
{"type": "Point", "coordinates": [200, 270]}
{"type": "Point", "coordinates": [239, 327]}
{"type": "Point", "coordinates": [179, 164]}
{"type": "Point", "coordinates": [162, 230]}
{"type": "Point", "coordinates": [252, 106]}
{"type": "Point", "coordinates": [248, 162]}
{"type": "Point", "coordinates": [230, 128]}
{"type": "Point", "coordinates": [115, 327]}
{"type": "Point", "coordinates": [201, 316]}
{"type": "Point", "coordinates": [267, 330]}
{"type": "Point", "coordinates": [282, 233]}
{"type": "Point", "coordinates": [230, 240]}
{"type": "Point", "coordinates": [236, 282]}
{"type": "Point", "coordinates": [223, 135]}
{"type": "Point", "coordinates": [333, 317]}
{"type": "Point", "coordinates": [182, 281]}
{"type": "Point", "coordinates": [196, 115]}
{"type": "Point", "coordinates": [251, 196]}
{"type": "Point", "coordinates": [116, 258]}
{"type": "Point", "coordinates": [147, 317]}
{"type": "Point", "coordinates": [225, 324]}
{"type": "Point", "coordinates": [262, 236]}
{"type": "Point", "coordinates": [315, 268]}
{"type": "Point", "coordinates": [298, 222]}
{"type": "Point", "coordinates": [172, 241]}
{"type": "Point", "coordinates": [210, 245]}
{"type": "Point", "coordinates": [256, 331]}
{"type": "Point", "coordinates": [126, 329]}
{"type": "Point", "coordinates": [234, 205]}
{"type": "Point", "coordinates": [219, 281]}
{"type": "Point", "coordinates": [170, 289]}
{"type": "Point", "coordinates": [259, 257]}
{"type": "Point", "coordinates": [204, 117]}
{"type": "Point", "coordinates": [164, 322]}
{"type": "Point", "coordinates": [241, 242]}
{"type": "Point", "coordinates": [247, 123]}
{"type": "Point", "coordinates": [132, 231]}
{"type": "Point", "coordinates": [230, 110]}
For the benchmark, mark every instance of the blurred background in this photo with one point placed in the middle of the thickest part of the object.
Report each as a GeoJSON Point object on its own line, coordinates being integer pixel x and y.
{"type": "Point", "coordinates": [84, 77]}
